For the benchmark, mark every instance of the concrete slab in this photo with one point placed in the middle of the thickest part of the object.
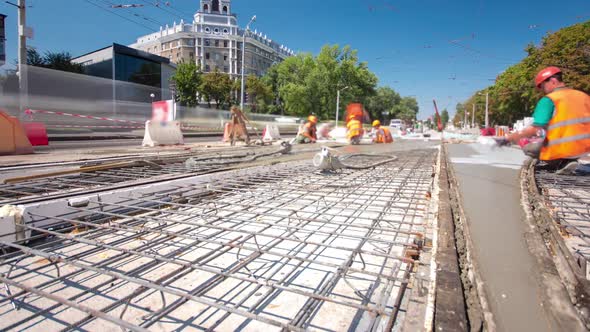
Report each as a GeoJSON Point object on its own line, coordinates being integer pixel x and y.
{"type": "Point", "coordinates": [489, 184]}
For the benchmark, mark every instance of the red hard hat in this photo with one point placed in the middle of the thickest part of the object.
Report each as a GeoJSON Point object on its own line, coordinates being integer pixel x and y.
{"type": "Point", "coordinates": [545, 74]}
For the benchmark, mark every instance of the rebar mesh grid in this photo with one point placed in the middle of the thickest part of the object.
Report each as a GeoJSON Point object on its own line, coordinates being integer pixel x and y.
{"type": "Point", "coordinates": [283, 248]}
{"type": "Point", "coordinates": [568, 199]}
{"type": "Point", "coordinates": [12, 193]}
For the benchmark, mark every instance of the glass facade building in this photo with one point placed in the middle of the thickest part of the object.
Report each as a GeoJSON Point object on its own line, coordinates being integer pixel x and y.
{"type": "Point", "coordinates": [136, 74]}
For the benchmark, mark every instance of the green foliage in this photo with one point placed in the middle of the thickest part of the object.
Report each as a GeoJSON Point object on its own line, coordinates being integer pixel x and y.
{"type": "Point", "coordinates": [406, 109]}
{"type": "Point", "coordinates": [382, 105]}
{"type": "Point", "coordinates": [217, 87]}
{"type": "Point", "coordinates": [513, 96]}
{"type": "Point", "coordinates": [53, 60]}
{"type": "Point", "coordinates": [444, 117]}
{"type": "Point", "coordinates": [304, 84]}
{"type": "Point", "coordinates": [259, 94]}
{"type": "Point", "coordinates": [187, 79]}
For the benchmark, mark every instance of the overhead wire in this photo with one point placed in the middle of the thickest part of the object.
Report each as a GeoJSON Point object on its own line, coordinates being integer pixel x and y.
{"type": "Point", "coordinates": [146, 18]}
{"type": "Point", "coordinates": [119, 15]}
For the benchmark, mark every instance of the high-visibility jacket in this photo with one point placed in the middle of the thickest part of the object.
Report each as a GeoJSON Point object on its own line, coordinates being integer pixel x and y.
{"type": "Point", "coordinates": [383, 135]}
{"type": "Point", "coordinates": [568, 132]}
{"type": "Point", "coordinates": [355, 128]}
{"type": "Point", "coordinates": [309, 130]}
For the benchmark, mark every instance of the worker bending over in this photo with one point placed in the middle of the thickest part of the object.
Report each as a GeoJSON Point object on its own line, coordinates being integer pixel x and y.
{"type": "Point", "coordinates": [564, 114]}
{"type": "Point", "coordinates": [308, 132]}
{"type": "Point", "coordinates": [381, 134]}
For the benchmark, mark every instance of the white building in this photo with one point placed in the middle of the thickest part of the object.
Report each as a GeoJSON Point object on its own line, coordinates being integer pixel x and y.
{"type": "Point", "coordinates": [214, 41]}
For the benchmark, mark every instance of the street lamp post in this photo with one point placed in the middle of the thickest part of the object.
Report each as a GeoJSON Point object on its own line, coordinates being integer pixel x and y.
{"type": "Point", "coordinates": [338, 103]}
{"type": "Point", "coordinates": [473, 117]}
{"type": "Point", "coordinates": [487, 107]}
{"type": "Point", "coordinates": [253, 19]}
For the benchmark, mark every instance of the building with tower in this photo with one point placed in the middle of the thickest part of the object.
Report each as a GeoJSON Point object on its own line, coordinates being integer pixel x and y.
{"type": "Point", "coordinates": [214, 41]}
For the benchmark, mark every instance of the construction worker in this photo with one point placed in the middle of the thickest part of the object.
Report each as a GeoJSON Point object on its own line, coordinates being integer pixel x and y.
{"type": "Point", "coordinates": [308, 132]}
{"type": "Point", "coordinates": [563, 118]}
{"type": "Point", "coordinates": [354, 129]}
{"type": "Point", "coordinates": [381, 134]}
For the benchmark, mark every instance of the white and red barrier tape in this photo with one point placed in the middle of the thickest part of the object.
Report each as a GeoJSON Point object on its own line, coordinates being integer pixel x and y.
{"type": "Point", "coordinates": [30, 112]}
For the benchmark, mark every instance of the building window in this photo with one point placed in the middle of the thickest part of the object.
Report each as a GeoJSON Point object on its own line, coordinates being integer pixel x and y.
{"type": "Point", "coordinates": [225, 69]}
{"type": "Point", "coordinates": [207, 43]}
{"type": "Point", "coordinates": [207, 68]}
{"type": "Point", "coordinates": [225, 57]}
{"type": "Point", "coordinates": [225, 9]}
{"type": "Point", "coordinates": [225, 43]}
{"type": "Point", "coordinates": [216, 31]}
{"type": "Point", "coordinates": [225, 31]}
{"type": "Point", "coordinates": [207, 56]}
{"type": "Point", "coordinates": [216, 42]}
{"type": "Point", "coordinates": [215, 6]}
{"type": "Point", "coordinates": [205, 7]}
{"type": "Point", "coordinates": [191, 54]}
{"type": "Point", "coordinates": [207, 30]}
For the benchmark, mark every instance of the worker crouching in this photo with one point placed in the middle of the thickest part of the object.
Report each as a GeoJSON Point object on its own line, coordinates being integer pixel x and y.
{"type": "Point", "coordinates": [381, 134]}
{"type": "Point", "coordinates": [308, 132]}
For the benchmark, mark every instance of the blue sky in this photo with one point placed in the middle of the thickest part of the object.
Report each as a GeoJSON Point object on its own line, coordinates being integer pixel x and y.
{"type": "Point", "coordinates": [430, 49]}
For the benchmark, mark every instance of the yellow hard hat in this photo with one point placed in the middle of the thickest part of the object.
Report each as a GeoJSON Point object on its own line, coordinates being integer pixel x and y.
{"type": "Point", "coordinates": [376, 123]}
{"type": "Point", "coordinates": [312, 119]}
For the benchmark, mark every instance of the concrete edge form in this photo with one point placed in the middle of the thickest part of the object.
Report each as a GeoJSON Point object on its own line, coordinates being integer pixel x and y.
{"type": "Point", "coordinates": [479, 314]}
{"type": "Point", "coordinates": [566, 289]}
{"type": "Point", "coordinates": [422, 298]}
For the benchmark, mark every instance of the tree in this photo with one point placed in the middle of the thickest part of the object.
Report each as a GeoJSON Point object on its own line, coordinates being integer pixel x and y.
{"type": "Point", "coordinates": [187, 79]}
{"type": "Point", "coordinates": [259, 93]}
{"type": "Point", "coordinates": [406, 109]}
{"type": "Point", "coordinates": [217, 87]}
{"type": "Point", "coordinates": [382, 105]}
{"type": "Point", "coordinates": [444, 117]}
{"type": "Point", "coordinates": [513, 96]}
{"type": "Point", "coordinates": [304, 84]}
{"type": "Point", "coordinates": [53, 60]}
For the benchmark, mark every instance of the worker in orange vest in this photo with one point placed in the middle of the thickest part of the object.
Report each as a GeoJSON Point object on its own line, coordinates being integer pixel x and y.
{"type": "Point", "coordinates": [564, 115]}
{"type": "Point", "coordinates": [354, 130]}
{"type": "Point", "coordinates": [308, 132]}
{"type": "Point", "coordinates": [381, 134]}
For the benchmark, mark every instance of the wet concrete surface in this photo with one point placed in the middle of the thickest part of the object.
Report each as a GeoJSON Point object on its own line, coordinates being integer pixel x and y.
{"type": "Point", "coordinates": [489, 184]}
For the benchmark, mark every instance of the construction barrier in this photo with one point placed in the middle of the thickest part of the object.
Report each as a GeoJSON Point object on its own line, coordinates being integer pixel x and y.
{"type": "Point", "coordinates": [162, 133]}
{"type": "Point", "coordinates": [37, 133]}
{"type": "Point", "coordinates": [13, 139]}
{"type": "Point", "coordinates": [271, 133]}
{"type": "Point", "coordinates": [502, 130]}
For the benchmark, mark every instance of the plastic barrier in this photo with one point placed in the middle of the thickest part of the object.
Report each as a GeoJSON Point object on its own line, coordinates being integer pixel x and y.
{"type": "Point", "coordinates": [271, 133]}
{"type": "Point", "coordinates": [37, 133]}
{"type": "Point", "coordinates": [162, 133]}
{"type": "Point", "coordinates": [13, 139]}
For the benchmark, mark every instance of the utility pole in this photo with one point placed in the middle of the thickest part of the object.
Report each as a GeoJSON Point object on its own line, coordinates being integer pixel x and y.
{"type": "Point", "coordinates": [22, 54]}
{"type": "Point", "coordinates": [473, 117]}
{"type": "Point", "coordinates": [487, 109]}
{"type": "Point", "coordinates": [465, 115]}
{"type": "Point", "coordinates": [338, 103]}
{"type": "Point", "coordinates": [253, 19]}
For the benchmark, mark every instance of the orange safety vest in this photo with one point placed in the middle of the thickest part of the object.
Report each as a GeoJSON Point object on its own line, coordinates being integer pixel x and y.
{"type": "Point", "coordinates": [383, 135]}
{"type": "Point", "coordinates": [355, 128]}
{"type": "Point", "coordinates": [568, 132]}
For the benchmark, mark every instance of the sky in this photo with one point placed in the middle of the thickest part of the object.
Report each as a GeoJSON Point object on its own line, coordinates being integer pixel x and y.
{"type": "Point", "coordinates": [429, 49]}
